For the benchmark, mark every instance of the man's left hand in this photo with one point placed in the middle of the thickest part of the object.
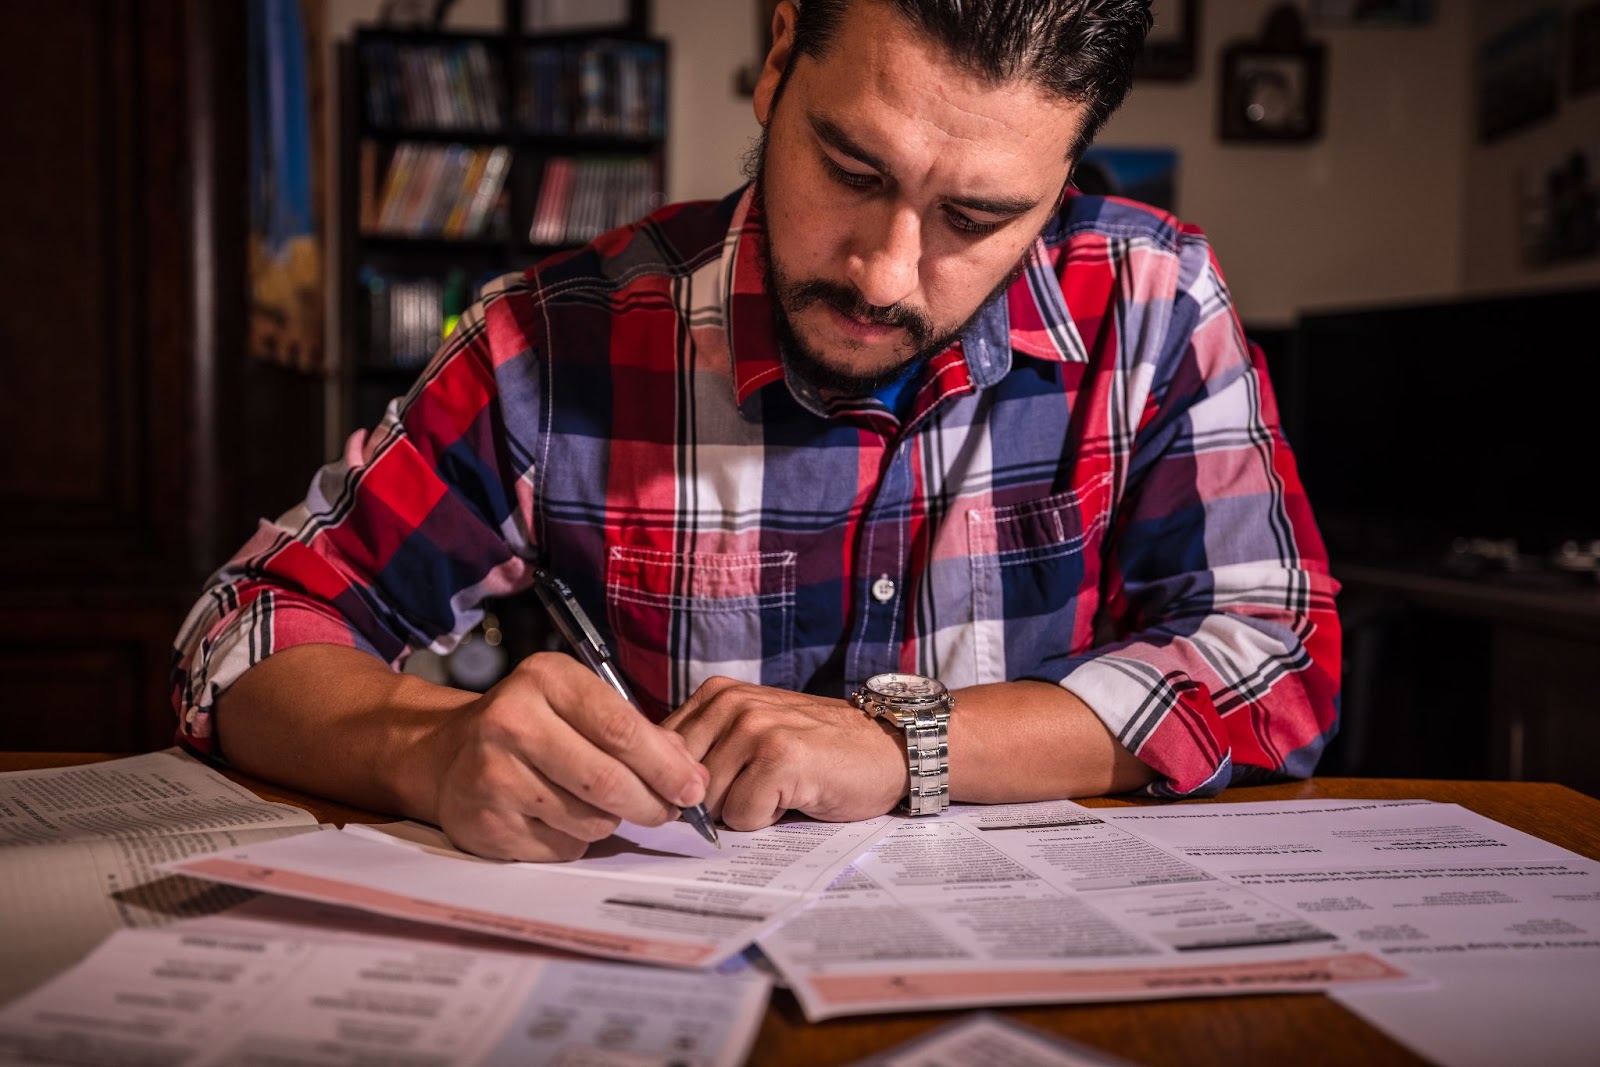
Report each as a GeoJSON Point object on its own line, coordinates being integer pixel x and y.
{"type": "Point", "coordinates": [771, 751]}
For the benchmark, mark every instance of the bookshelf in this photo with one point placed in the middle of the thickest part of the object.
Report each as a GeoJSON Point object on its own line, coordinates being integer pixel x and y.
{"type": "Point", "coordinates": [466, 155]}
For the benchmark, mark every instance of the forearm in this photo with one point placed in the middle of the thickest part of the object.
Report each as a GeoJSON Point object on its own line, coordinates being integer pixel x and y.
{"type": "Point", "coordinates": [338, 723]}
{"type": "Point", "coordinates": [1023, 741]}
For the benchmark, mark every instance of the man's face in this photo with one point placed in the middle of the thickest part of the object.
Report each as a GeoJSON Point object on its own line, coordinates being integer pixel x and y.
{"type": "Point", "coordinates": [900, 191]}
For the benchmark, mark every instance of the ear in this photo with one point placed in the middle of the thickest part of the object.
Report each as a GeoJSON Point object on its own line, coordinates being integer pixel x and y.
{"type": "Point", "coordinates": [783, 21]}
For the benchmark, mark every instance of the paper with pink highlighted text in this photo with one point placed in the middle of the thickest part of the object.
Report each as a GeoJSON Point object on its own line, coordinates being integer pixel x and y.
{"type": "Point", "coordinates": [660, 896]}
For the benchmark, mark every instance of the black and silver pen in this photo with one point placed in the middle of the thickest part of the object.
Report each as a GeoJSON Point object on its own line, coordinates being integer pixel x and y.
{"type": "Point", "coordinates": [574, 624]}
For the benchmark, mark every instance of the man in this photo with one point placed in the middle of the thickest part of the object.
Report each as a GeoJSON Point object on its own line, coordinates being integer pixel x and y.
{"type": "Point", "coordinates": [907, 403]}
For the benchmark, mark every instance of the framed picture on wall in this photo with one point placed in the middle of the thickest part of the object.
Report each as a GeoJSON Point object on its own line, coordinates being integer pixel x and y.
{"type": "Point", "coordinates": [1169, 48]}
{"type": "Point", "coordinates": [1372, 12]}
{"type": "Point", "coordinates": [1518, 75]}
{"type": "Point", "coordinates": [1559, 209]}
{"type": "Point", "coordinates": [1583, 51]}
{"type": "Point", "coordinates": [1271, 93]}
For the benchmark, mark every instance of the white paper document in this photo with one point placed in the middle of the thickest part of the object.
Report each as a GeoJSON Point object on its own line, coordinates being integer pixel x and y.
{"type": "Point", "coordinates": [185, 995]}
{"type": "Point", "coordinates": [658, 895]}
{"type": "Point", "coordinates": [81, 849]}
{"type": "Point", "coordinates": [1505, 924]}
{"type": "Point", "coordinates": [1031, 903]}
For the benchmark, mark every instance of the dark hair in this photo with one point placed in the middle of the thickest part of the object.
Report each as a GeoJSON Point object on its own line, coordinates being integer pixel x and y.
{"type": "Point", "coordinates": [1082, 50]}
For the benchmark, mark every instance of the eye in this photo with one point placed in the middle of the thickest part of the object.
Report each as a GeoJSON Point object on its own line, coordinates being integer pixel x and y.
{"type": "Point", "coordinates": [969, 225]}
{"type": "Point", "coordinates": [847, 178]}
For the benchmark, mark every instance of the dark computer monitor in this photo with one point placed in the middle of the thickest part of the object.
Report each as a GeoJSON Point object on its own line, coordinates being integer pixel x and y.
{"type": "Point", "coordinates": [1418, 424]}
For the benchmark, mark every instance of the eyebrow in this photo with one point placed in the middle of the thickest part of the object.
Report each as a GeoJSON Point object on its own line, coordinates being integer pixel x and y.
{"type": "Point", "coordinates": [839, 141]}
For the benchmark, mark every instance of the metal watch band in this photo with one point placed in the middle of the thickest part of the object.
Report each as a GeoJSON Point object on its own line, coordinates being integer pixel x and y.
{"type": "Point", "coordinates": [928, 755]}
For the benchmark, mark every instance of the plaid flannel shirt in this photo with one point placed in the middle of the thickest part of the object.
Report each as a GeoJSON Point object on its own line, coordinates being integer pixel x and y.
{"type": "Point", "coordinates": [1090, 488]}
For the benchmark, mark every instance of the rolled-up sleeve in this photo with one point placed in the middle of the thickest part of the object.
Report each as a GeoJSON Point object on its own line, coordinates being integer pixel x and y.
{"type": "Point", "coordinates": [1222, 664]}
{"type": "Point", "coordinates": [397, 543]}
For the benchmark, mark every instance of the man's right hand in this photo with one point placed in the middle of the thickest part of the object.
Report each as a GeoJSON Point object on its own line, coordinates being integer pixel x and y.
{"type": "Point", "coordinates": [544, 763]}
{"type": "Point", "coordinates": [552, 759]}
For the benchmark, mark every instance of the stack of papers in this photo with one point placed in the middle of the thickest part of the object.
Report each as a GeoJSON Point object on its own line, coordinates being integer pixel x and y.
{"type": "Point", "coordinates": [1386, 904]}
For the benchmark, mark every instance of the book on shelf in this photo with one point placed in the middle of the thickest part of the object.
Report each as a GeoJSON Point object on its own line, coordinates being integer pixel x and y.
{"type": "Point", "coordinates": [440, 191]}
{"type": "Point", "coordinates": [605, 88]}
{"type": "Point", "coordinates": [581, 198]}
{"type": "Point", "coordinates": [431, 85]}
{"type": "Point", "coordinates": [408, 318]}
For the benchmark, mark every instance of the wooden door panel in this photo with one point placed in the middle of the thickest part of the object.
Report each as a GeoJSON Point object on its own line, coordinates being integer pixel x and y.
{"type": "Point", "coordinates": [96, 334]}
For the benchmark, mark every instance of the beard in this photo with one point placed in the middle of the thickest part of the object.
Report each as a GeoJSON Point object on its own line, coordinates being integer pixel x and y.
{"type": "Point", "coordinates": [791, 296]}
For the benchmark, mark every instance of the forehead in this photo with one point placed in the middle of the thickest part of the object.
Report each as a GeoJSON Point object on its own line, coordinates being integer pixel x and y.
{"type": "Point", "coordinates": [884, 80]}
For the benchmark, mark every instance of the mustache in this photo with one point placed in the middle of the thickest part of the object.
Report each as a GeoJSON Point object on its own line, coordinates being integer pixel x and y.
{"type": "Point", "coordinates": [846, 300]}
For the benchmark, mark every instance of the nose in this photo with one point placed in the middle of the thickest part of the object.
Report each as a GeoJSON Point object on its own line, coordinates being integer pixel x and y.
{"type": "Point", "coordinates": [883, 265]}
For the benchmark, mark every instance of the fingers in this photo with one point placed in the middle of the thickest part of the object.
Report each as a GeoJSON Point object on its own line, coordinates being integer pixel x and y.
{"type": "Point", "coordinates": [753, 798]}
{"type": "Point", "coordinates": [746, 735]}
{"type": "Point", "coordinates": [601, 749]}
{"type": "Point", "coordinates": [553, 758]}
{"type": "Point", "coordinates": [694, 708]}
{"type": "Point", "coordinates": [772, 750]}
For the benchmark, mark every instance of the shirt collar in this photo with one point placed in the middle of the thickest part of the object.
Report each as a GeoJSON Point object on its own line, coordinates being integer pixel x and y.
{"type": "Point", "coordinates": [1030, 317]}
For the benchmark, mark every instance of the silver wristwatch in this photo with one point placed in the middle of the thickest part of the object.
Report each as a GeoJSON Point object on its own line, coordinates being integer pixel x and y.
{"type": "Point", "coordinates": [921, 708]}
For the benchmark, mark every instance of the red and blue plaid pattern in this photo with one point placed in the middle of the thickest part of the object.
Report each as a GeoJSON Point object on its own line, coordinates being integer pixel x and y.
{"type": "Point", "coordinates": [1090, 488]}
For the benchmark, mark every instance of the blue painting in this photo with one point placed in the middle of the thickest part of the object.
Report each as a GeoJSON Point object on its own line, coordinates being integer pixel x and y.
{"type": "Point", "coordinates": [286, 247]}
{"type": "Point", "coordinates": [1148, 175]}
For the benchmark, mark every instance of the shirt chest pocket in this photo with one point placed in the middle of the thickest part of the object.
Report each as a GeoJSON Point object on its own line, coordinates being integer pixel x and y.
{"type": "Point", "coordinates": [680, 617]}
{"type": "Point", "coordinates": [1035, 568]}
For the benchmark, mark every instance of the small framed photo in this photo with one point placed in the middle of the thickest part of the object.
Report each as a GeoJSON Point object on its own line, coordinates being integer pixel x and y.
{"type": "Point", "coordinates": [1372, 12]}
{"type": "Point", "coordinates": [1170, 46]}
{"type": "Point", "coordinates": [1583, 51]}
{"type": "Point", "coordinates": [1271, 93]}
{"type": "Point", "coordinates": [1518, 75]}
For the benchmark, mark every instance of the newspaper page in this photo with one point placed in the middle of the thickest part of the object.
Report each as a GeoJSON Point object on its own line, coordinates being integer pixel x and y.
{"type": "Point", "coordinates": [265, 992]}
{"type": "Point", "coordinates": [81, 849]}
{"type": "Point", "coordinates": [1506, 925]}
{"type": "Point", "coordinates": [1031, 903]}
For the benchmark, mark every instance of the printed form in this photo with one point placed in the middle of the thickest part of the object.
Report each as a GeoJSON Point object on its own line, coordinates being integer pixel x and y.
{"type": "Point", "coordinates": [1505, 924]}
{"type": "Point", "coordinates": [1031, 903]}
{"type": "Point", "coordinates": [652, 895]}
{"type": "Point", "coordinates": [284, 981]}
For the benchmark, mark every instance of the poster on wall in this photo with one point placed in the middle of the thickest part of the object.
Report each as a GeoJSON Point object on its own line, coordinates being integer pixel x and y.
{"type": "Point", "coordinates": [1519, 75]}
{"type": "Point", "coordinates": [1148, 175]}
{"type": "Point", "coordinates": [1560, 209]}
{"type": "Point", "coordinates": [286, 184]}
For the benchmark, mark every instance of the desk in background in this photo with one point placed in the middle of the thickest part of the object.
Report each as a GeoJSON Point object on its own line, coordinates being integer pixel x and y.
{"type": "Point", "coordinates": [1304, 1029]}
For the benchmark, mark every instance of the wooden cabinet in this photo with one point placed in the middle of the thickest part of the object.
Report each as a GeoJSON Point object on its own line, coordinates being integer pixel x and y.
{"type": "Point", "coordinates": [122, 267]}
{"type": "Point", "coordinates": [1449, 677]}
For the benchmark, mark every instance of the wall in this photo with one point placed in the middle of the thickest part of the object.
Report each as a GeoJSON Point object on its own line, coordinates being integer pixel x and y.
{"type": "Point", "coordinates": [712, 125]}
{"type": "Point", "coordinates": [1496, 172]}
{"type": "Point", "coordinates": [1394, 202]}
{"type": "Point", "coordinates": [1370, 212]}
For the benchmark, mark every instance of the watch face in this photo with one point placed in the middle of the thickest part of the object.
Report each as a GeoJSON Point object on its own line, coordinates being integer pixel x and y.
{"type": "Point", "coordinates": [905, 686]}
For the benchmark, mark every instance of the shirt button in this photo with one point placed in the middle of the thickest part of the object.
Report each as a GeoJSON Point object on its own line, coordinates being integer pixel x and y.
{"type": "Point", "coordinates": [883, 590]}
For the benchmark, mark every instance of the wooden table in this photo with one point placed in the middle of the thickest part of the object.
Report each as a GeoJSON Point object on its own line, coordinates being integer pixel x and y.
{"type": "Point", "coordinates": [1268, 1029]}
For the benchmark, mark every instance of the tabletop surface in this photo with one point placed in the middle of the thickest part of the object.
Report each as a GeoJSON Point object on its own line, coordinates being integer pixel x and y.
{"type": "Point", "coordinates": [1267, 1029]}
